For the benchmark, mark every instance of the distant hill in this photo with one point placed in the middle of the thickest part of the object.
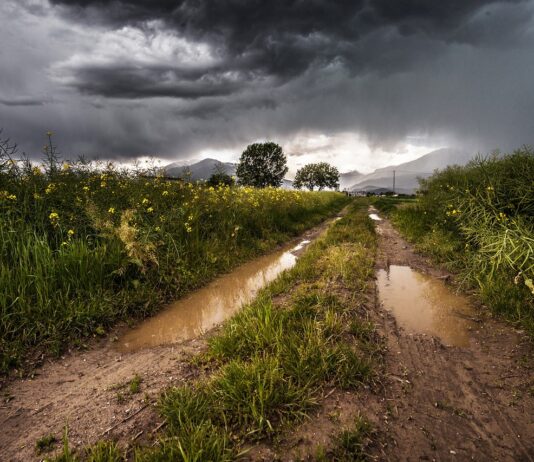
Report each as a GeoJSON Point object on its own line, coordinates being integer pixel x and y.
{"type": "Point", "coordinates": [382, 190]}
{"type": "Point", "coordinates": [200, 170]}
{"type": "Point", "coordinates": [349, 178]}
{"type": "Point", "coordinates": [205, 168]}
{"type": "Point", "coordinates": [406, 174]}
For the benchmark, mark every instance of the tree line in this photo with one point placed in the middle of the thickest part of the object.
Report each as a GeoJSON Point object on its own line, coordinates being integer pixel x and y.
{"type": "Point", "coordinates": [265, 164]}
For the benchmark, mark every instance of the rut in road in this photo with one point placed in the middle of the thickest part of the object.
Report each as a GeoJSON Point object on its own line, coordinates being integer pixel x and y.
{"type": "Point", "coordinates": [472, 402]}
{"type": "Point", "coordinates": [88, 390]}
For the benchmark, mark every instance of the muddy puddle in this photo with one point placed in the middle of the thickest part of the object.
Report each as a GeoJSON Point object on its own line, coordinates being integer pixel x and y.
{"type": "Point", "coordinates": [422, 304]}
{"type": "Point", "coordinates": [209, 306]}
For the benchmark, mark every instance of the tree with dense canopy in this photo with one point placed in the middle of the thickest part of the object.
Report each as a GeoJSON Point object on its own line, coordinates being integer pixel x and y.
{"type": "Point", "coordinates": [261, 165]}
{"type": "Point", "coordinates": [321, 175]}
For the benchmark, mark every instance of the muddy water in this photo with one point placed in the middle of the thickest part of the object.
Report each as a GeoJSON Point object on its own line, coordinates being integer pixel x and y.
{"type": "Point", "coordinates": [189, 317]}
{"type": "Point", "coordinates": [422, 304]}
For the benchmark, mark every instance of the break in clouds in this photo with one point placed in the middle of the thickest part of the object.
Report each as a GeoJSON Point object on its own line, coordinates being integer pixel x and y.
{"type": "Point", "coordinates": [124, 78]}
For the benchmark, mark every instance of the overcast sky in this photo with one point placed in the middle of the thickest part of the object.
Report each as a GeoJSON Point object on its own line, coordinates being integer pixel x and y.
{"type": "Point", "coordinates": [358, 83]}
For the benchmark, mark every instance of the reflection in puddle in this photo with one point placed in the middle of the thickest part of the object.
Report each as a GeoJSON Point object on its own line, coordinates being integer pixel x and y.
{"type": "Point", "coordinates": [374, 216]}
{"type": "Point", "coordinates": [300, 245]}
{"type": "Point", "coordinates": [211, 305]}
{"type": "Point", "coordinates": [423, 304]}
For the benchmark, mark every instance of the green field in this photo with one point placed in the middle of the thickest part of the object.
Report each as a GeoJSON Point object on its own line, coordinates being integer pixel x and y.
{"type": "Point", "coordinates": [81, 248]}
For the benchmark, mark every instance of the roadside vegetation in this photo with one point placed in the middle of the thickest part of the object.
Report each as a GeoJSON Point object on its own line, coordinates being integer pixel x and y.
{"type": "Point", "coordinates": [270, 365]}
{"type": "Point", "coordinates": [85, 245]}
{"type": "Point", "coordinates": [479, 220]}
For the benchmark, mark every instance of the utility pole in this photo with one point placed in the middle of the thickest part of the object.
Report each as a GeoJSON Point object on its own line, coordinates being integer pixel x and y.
{"type": "Point", "coordinates": [393, 181]}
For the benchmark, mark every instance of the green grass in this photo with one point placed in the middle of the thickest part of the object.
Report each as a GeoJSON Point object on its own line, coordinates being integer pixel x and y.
{"type": "Point", "coordinates": [135, 384]}
{"type": "Point", "coordinates": [126, 390]}
{"type": "Point", "coordinates": [350, 444]}
{"type": "Point", "coordinates": [45, 443]}
{"type": "Point", "coordinates": [274, 359]}
{"type": "Point", "coordinates": [81, 248]}
{"type": "Point", "coordinates": [478, 220]}
{"type": "Point", "coordinates": [104, 451]}
{"type": "Point", "coordinates": [271, 362]}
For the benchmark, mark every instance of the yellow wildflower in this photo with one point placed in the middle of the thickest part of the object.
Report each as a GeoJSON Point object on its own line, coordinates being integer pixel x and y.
{"type": "Point", "coordinates": [70, 232]}
{"type": "Point", "coordinates": [111, 210]}
{"type": "Point", "coordinates": [54, 218]}
{"type": "Point", "coordinates": [150, 209]}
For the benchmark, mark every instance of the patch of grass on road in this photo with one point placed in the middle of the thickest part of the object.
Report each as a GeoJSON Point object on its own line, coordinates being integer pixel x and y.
{"type": "Point", "coordinates": [274, 358]}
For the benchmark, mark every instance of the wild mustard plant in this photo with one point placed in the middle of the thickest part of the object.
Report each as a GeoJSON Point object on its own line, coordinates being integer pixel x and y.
{"type": "Point", "coordinates": [82, 245]}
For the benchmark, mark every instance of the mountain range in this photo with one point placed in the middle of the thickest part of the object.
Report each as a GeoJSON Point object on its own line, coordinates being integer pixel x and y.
{"type": "Point", "coordinates": [407, 174]}
{"type": "Point", "coordinates": [380, 180]}
{"type": "Point", "coordinates": [200, 170]}
{"type": "Point", "coordinates": [347, 179]}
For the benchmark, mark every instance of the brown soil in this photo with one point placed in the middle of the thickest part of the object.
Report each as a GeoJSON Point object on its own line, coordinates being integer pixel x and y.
{"type": "Point", "coordinates": [433, 402]}
{"type": "Point", "coordinates": [451, 403]}
{"type": "Point", "coordinates": [88, 391]}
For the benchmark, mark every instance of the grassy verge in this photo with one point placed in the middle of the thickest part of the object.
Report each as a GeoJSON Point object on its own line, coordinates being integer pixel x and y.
{"type": "Point", "coordinates": [479, 221]}
{"type": "Point", "coordinates": [271, 362]}
{"type": "Point", "coordinates": [81, 248]}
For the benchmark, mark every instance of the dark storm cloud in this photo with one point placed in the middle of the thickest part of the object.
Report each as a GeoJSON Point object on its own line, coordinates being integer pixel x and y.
{"type": "Point", "coordinates": [132, 82]}
{"type": "Point", "coordinates": [21, 102]}
{"type": "Point", "coordinates": [175, 77]}
{"type": "Point", "coordinates": [279, 40]}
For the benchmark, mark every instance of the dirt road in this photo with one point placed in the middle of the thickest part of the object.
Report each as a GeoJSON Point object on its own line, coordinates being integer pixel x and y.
{"type": "Point", "coordinates": [453, 403]}
{"type": "Point", "coordinates": [435, 402]}
{"type": "Point", "coordinates": [89, 392]}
